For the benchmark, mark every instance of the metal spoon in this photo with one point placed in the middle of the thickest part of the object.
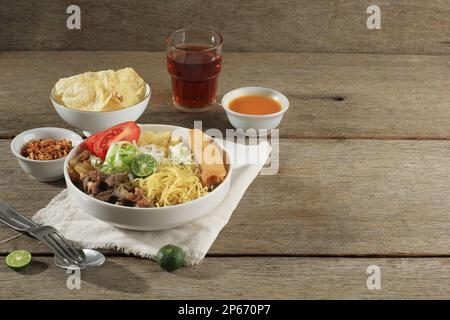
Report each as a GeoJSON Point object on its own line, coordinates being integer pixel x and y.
{"type": "Point", "coordinates": [93, 258]}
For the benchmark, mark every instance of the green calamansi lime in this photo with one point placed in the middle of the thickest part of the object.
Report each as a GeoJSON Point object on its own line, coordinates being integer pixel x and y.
{"type": "Point", "coordinates": [18, 259]}
{"type": "Point", "coordinates": [170, 257]}
{"type": "Point", "coordinates": [143, 165]}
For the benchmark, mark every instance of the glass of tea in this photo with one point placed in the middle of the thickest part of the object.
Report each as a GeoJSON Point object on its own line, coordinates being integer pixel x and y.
{"type": "Point", "coordinates": [194, 60]}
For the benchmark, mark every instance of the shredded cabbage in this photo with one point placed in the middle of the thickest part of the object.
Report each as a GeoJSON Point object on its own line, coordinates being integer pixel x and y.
{"type": "Point", "coordinates": [119, 157]}
{"type": "Point", "coordinates": [96, 162]}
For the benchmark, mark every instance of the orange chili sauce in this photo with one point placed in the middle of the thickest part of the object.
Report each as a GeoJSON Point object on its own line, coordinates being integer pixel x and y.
{"type": "Point", "coordinates": [254, 105]}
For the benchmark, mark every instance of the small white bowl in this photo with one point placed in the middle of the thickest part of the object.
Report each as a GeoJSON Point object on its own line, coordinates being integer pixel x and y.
{"type": "Point", "coordinates": [94, 121]}
{"type": "Point", "coordinates": [259, 123]}
{"type": "Point", "coordinates": [43, 170]}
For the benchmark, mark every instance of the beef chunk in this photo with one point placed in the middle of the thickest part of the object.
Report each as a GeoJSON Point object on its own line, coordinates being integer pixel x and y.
{"type": "Point", "coordinates": [96, 175]}
{"type": "Point", "coordinates": [84, 183]}
{"type": "Point", "coordinates": [107, 196]}
{"type": "Point", "coordinates": [115, 180]}
{"type": "Point", "coordinates": [141, 200]}
{"type": "Point", "coordinates": [94, 187]}
{"type": "Point", "coordinates": [114, 188]}
{"type": "Point", "coordinates": [124, 194]}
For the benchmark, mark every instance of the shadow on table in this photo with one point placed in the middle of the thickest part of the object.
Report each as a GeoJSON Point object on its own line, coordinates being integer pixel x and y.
{"type": "Point", "coordinates": [115, 277]}
{"type": "Point", "coordinates": [35, 267]}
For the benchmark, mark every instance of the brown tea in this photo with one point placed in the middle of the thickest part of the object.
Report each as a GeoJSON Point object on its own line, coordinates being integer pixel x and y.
{"type": "Point", "coordinates": [194, 70]}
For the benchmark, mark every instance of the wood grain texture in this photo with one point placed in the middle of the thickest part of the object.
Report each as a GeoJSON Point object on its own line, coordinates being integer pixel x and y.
{"type": "Point", "coordinates": [331, 197]}
{"type": "Point", "coordinates": [408, 26]}
{"type": "Point", "coordinates": [331, 95]}
{"type": "Point", "coordinates": [234, 278]}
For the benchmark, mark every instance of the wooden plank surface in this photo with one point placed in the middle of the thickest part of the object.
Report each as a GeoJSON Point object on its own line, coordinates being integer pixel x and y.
{"type": "Point", "coordinates": [331, 95]}
{"type": "Point", "coordinates": [336, 206]}
{"type": "Point", "coordinates": [331, 197]}
{"type": "Point", "coordinates": [234, 278]}
{"type": "Point", "coordinates": [407, 26]}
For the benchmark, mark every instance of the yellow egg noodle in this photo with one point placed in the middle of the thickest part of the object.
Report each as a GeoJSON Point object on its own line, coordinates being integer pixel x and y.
{"type": "Point", "coordinates": [172, 184]}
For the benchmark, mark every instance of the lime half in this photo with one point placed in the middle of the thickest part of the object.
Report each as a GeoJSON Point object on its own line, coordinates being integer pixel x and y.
{"type": "Point", "coordinates": [18, 259]}
{"type": "Point", "coordinates": [170, 257]}
{"type": "Point", "coordinates": [143, 165]}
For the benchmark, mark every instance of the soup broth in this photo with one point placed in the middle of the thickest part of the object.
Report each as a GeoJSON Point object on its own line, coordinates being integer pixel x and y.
{"type": "Point", "coordinates": [255, 105]}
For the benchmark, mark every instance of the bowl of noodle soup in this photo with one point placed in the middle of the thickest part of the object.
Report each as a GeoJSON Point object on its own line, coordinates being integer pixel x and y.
{"type": "Point", "coordinates": [165, 214]}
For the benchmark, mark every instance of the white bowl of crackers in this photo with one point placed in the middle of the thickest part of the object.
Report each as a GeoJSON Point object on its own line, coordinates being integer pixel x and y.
{"type": "Point", "coordinates": [95, 101]}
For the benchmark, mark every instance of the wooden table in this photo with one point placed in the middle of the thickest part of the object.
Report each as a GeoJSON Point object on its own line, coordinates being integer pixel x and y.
{"type": "Point", "coordinates": [363, 180]}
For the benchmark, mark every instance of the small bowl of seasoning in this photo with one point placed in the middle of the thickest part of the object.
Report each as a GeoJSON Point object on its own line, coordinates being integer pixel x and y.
{"type": "Point", "coordinates": [41, 151]}
{"type": "Point", "coordinates": [255, 109]}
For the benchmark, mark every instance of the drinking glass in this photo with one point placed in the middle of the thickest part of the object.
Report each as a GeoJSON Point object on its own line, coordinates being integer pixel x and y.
{"type": "Point", "coordinates": [194, 61]}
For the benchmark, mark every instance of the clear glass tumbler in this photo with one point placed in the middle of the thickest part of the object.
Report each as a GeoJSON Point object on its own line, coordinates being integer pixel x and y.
{"type": "Point", "coordinates": [194, 61]}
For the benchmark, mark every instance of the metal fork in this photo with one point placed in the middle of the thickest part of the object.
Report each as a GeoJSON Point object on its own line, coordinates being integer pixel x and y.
{"type": "Point", "coordinates": [58, 244]}
{"type": "Point", "coordinates": [62, 249]}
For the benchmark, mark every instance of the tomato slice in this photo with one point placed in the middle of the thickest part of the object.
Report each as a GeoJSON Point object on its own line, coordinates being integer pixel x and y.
{"type": "Point", "coordinates": [127, 131]}
{"type": "Point", "coordinates": [89, 142]}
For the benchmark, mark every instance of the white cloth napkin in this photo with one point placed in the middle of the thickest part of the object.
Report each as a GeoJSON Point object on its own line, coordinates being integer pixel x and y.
{"type": "Point", "coordinates": [195, 238]}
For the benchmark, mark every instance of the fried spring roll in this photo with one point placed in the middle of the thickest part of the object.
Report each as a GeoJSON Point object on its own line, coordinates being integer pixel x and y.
{"type": "Point", "coordinates": [209, 157]}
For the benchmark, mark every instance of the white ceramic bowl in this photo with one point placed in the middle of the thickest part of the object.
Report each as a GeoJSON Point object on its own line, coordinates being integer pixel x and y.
{"type": "Point", "coordinates": [261, 123]}
{"type": "Point", "coordinates": [148, 218]}
{"type": "Point", "coordinates": [92, 121]}
{"type": "Point", "coordinates": [43, 170]}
